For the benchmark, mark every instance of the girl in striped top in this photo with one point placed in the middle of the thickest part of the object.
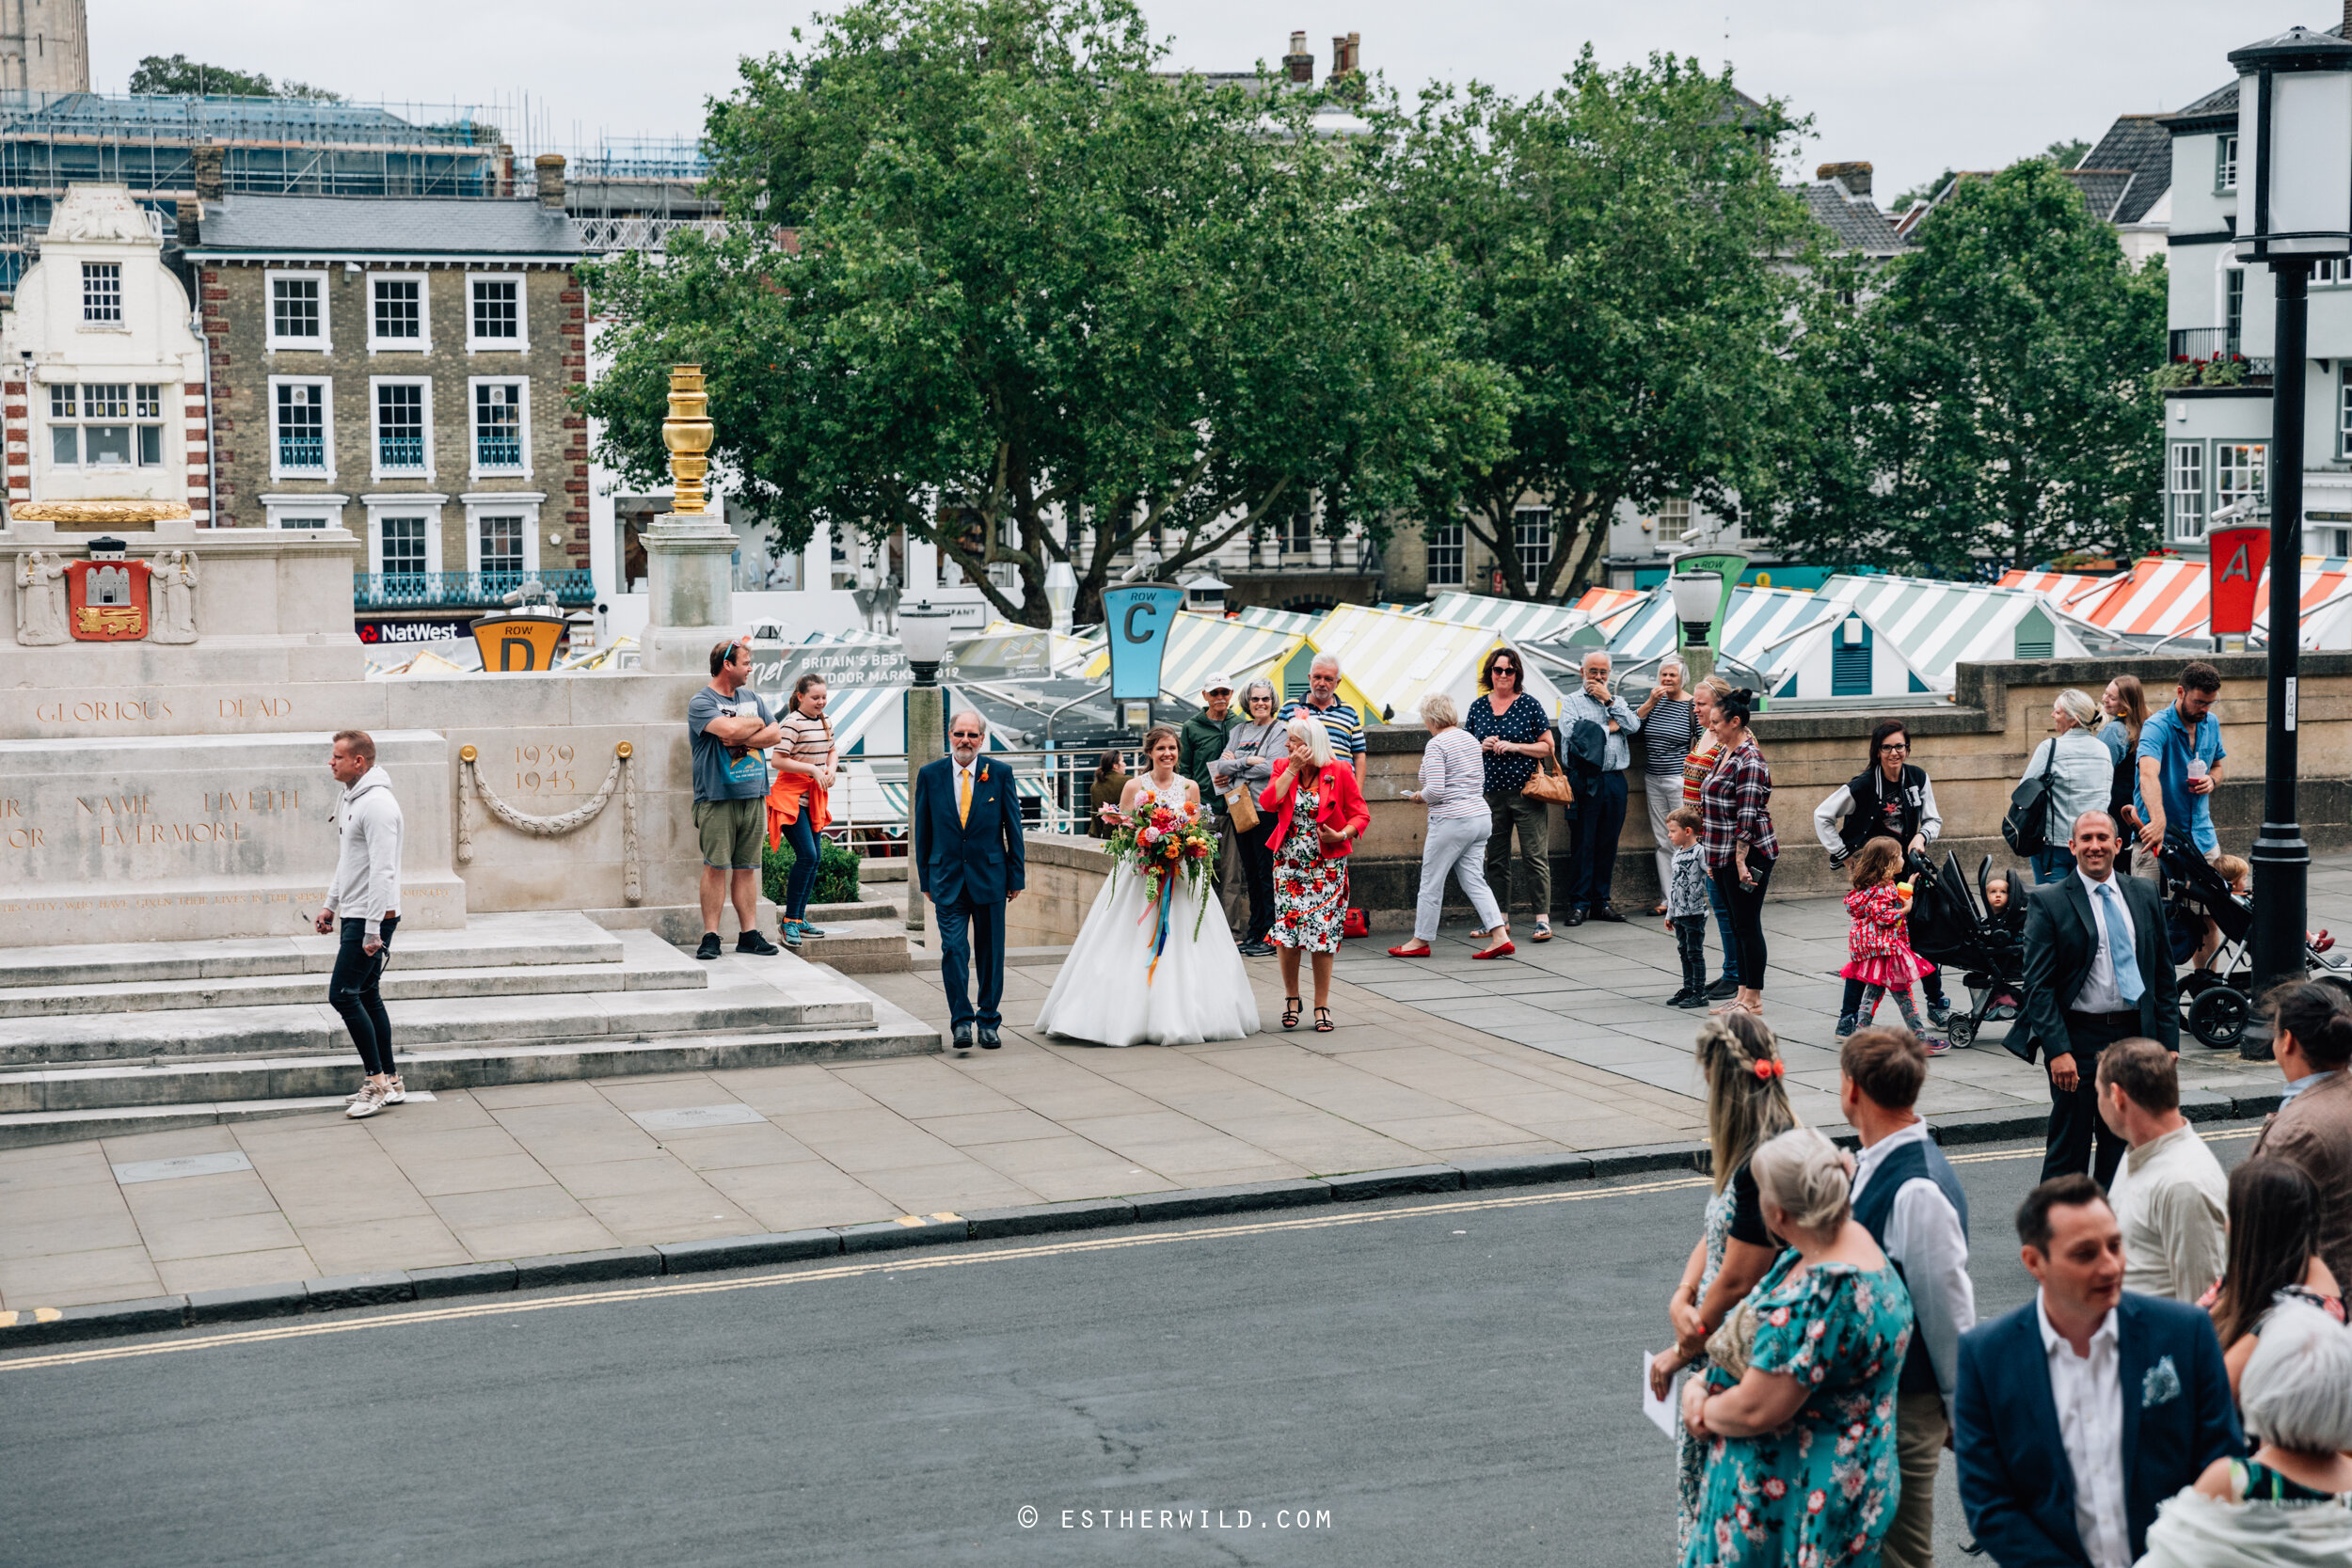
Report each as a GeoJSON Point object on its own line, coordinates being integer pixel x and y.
{"type": "Point", "coordinates": [805, 765]}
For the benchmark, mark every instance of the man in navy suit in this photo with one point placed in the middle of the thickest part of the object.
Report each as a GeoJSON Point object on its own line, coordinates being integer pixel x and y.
{"type": "Point", "coordinates": [2080, 1411]}
{"type": "Point", "coordinates": [967, 861]}
{"type": "Point", "coordinates": [2098, 970]}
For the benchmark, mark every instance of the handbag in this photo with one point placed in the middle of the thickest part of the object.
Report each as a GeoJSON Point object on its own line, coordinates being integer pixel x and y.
{"type": "Point", "coordinates": [2025, 828]}
{"type": "Point", "coordinates": [1549, 783]}
{"type": "Point", "coordinates": [1733, 1342]}
{"type": "Point", "coordinates": [1241, 809]}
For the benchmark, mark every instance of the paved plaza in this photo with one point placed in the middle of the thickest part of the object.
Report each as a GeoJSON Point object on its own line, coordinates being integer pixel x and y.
{"type": "Point", "coordinates": [1568, 1047]}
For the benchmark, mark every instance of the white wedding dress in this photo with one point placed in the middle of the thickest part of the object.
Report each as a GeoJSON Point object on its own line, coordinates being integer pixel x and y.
{"type": "Point", "coordinates": [1200, 991]}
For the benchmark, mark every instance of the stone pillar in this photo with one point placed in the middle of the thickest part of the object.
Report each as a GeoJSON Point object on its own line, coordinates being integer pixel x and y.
{"type": "Point", "coordinates": [689, 551]}
{"type": "Point", "coordinates": [927, 741]}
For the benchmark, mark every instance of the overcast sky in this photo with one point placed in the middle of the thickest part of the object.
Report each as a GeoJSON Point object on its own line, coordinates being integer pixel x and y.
{"type": "Point", "coordinates": [1912, 85]}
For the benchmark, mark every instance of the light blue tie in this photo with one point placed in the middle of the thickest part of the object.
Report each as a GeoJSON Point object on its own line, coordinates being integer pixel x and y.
{"type": "Point", "coordinates": [2127, 981]}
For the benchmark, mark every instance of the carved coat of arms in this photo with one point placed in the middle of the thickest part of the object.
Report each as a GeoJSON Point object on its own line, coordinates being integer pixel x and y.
{"type": "Point", "coordinates": [106, 600]}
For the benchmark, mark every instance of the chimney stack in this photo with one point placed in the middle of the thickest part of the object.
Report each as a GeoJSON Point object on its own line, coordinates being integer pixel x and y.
{"type": "Point", "coordinates": [1346, 55]}
{"type": "Point", "coordinates": [1299, 66]}
{"type": "Point", "coordinates": [550, 167]}
{"type": "Point", "coordinates": [207, 164]}
{"type": "Point", "coordinates": [1854, 179]}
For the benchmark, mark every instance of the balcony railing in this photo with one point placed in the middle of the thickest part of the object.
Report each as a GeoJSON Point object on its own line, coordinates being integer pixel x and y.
{"type": "Point", "coordinates": [464, 590]}
{"type": "Point", "coordinates": [2205, 342]}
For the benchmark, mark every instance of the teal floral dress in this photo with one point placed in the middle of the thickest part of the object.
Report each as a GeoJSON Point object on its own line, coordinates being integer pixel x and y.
{"type": "Point", "coordinates": [1691, 1452]}
{"type": "Point", "coordinates": [1821, 1491]}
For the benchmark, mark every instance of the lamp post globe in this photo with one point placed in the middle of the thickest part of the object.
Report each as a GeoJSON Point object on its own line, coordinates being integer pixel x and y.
{"type": "Point", "coordinates": [1698, 598]}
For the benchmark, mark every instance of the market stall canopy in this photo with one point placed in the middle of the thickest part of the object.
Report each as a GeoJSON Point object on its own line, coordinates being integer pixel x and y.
{"type": "Point", "coordinates": [1936, 625]}
{"type": "Point", "coordinates": [1199, 647]}
{"type": "Point", "coordinates": [1517, 619]}
{"type": "Point", "coordinates": [1389, 660]}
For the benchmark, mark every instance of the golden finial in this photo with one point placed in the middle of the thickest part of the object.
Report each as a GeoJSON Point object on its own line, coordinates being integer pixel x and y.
{"type": "Point", "coordinates": [688, 433]}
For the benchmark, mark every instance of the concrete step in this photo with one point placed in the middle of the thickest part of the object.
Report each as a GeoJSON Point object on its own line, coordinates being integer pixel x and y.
{"type": "Point", "coordinates": [487, 942]}
{"type": "Point", "coordinates": [101, 1103]}
{"type": "Point", "coordinates": [400, 985]}
{"type": "Point", "coordinates": [871, 907]}
{"type": "Point", "coordinates": [861, 947]}
{"type": "Point", "coordinates": [737, 994]}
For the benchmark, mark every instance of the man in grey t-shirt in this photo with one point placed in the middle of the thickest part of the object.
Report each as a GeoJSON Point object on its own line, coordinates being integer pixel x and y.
{"type": "Point", "coordinates": [729, 726]}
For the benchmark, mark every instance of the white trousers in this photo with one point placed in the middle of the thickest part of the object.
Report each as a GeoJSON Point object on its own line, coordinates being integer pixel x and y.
{"type": "Point", "coordinates": [1456, 844]}
{"type": "Point", "coordinates": [1666, 793]}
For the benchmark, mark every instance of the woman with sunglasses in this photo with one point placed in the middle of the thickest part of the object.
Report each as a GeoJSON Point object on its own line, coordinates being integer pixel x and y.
{"type": "Point", "coordinates": [1891, 799]}
{"type": "Point", "coordinates": [1515, 736]}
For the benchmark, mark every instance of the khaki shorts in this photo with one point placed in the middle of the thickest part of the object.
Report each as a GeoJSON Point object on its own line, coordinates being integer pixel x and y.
{"type": "Point", "coordinates": [734, 834]}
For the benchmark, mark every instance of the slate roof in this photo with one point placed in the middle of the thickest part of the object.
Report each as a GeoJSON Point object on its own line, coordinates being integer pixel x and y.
{"type": "Point", "coordinates": [2105, 190]}
{"type": "Point", "coordinates": [2140, 146]}
{"type": "Point", "coordinates": [331, 225]}
{"type": "Point", "coordinates": [2217, 105]}
{"type": "Point", "coordinates": [1856, 226]}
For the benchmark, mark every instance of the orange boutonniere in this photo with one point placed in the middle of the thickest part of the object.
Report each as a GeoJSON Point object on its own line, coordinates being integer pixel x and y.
{"type": "Point", "coordinates": [983, 772]}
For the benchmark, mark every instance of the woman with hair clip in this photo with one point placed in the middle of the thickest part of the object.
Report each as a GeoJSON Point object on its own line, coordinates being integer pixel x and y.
{"type": "Point", "coordinates": [1736, 834]}
{"type": "Point", "coordinates": [797, 801]}
{"type": "Point", "coordinates": [1747, 1102]}
{"type": "Point", "coordinates": [1801, 1465]}
{"type": "Point", "coordinates": [2311, 1129]}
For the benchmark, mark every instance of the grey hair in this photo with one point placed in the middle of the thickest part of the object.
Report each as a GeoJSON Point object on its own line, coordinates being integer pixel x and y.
{"type": "Point", "coordinates": [2297, 1391]}
{"type": "Point", "coordinates": [1438, 712]}
{"type": "Point", "coordinates": [1600, 654]}
{"type": "Point", "coordinates": [1672, 662]}
{"type": "Point", "coordinates": [2080, 707]}
{"type": "Point", "coordinates": [1251, 689]}
{"type": "Point", "coordinates": [1321, 660]}
{"type": "Point", "coordinates": [971, 713]}
{"type": "Point", "coordinates": [1801, 1174]}
{"type": "Point", "coordinates": [1318, 740]}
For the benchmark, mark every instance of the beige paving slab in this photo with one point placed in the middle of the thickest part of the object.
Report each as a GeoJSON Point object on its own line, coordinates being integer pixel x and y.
{"type": "Point", "coordinates": [217, 1236]}
{"type": "Point", "coordinates": [920, 1087]}
{"type": "Point", "coordinates": [796, 1197]}
{"type": "Point", "coordinates": [78, 1279]}
{"type": "Point", "coordinates": [620, 1178]}
{"type": "Point", "coordinates": [955, 1185]}
{"type": "Point", "coordinates": [23, 1236]}
{"type": "Point", "coordinates": [508, 1097]}
{"type": "Point", "coordinates": [725, 1147]}
{"type": "Point", "coordinates": [227, 1271]}
{"type": "Point", "coordinates": [988, 1127]}
{"type": "Point", "coordinates": [415, 1151]}
{"type": "Point", "coordinates": [792, 1090]}
{"type": "Point", "coordinates": [193, 1197]}
{"type": "Point", "coordinates": [73, 1201]}
{"type": "Point", "coordinates": [135, 1147]}
{"type": "Point", "coordinates": [629, 1095]}
{"type": "Point", "coordinates": [415, 1242]}
{"type": "Point", "coordinates": [639, 1219]}
{"type": "Point", "coordinates": [486, 1174]}
{"type": "Point", "coordinates": [860, 1141]}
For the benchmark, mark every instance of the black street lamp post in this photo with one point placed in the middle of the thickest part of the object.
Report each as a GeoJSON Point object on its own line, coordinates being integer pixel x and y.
{"type": "Point", "coordinates": [2295, 114]}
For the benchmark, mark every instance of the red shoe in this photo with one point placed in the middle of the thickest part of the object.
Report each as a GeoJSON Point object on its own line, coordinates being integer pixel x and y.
{"type": "Point", "coordinates": [1406, 953]}
{"type": "Point", "coordinates": [1502, 952]}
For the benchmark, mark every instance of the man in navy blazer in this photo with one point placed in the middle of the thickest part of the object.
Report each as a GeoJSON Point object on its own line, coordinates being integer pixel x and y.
{"type": "Point", "coordinates": [967, 861]}
{"type": "Point", "coordinates": [2083, 1409]}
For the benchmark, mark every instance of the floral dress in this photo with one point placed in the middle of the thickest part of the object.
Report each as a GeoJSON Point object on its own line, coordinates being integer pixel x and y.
{"type": "Point", "coordinates": [1309, 887]}
{"type": "Point", "coordinates": [1821, 1491]}
{"type": "Point", "coordinates": [1689, 1452]}
{"type": "Point", "coordinates": [1877, 943]}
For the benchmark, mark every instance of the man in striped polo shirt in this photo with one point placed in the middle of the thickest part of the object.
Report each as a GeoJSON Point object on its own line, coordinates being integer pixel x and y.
{"type": "Point", "coordinates": [1322, 701]}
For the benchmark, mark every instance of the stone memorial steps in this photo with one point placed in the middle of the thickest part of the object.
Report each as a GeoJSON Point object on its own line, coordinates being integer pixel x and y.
{"type": "Point", "coordinates": [110, 1102]}
{"type": "Point", "coordinates": [400, 985]}
{"type": "Point", "coordinates": [861, 946]}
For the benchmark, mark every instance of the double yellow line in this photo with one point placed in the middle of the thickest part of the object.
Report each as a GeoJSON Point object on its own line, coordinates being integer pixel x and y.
{"type": "Point", "coordinates": [894, 1263]}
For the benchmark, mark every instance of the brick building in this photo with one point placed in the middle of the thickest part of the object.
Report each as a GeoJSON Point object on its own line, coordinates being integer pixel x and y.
{"type": "Point", "coordinates": [402, 368]}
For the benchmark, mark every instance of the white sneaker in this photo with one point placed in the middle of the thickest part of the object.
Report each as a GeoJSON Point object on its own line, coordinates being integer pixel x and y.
{"type": "Point", "coordinates": [371, 1100]}
{"type": "Point", "coordinates": [396, 1091]}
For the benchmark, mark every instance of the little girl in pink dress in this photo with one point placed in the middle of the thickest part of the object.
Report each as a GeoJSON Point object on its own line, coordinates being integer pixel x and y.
{"type": "Point", "coordinates": [1879, 949]}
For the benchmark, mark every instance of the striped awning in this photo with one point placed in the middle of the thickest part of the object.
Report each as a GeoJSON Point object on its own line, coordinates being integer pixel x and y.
{"type": "Point", "coordinates": [1935, 624]}
{"type": "Point", "coordinates": [1517, 619]}
{"type": "Point", "coordinates": [1758, 631]}
{"type": "Point", "coordinates": [1392, 659]}
{"type": "Point", "coordinates": [1278, 620]}
{"type": "Point", "coordinates": [1199, 647]}
{"type": "Point", "coordinates": [2076, 593]}
{"type": "Point", "coordinates": [1599, 604]}
{"type": "Point", "coordinates": [2159, 597]}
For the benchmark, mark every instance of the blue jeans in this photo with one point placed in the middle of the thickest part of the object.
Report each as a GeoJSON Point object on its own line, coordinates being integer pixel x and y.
{"type": "Point", "coordinates": [802, 877]}
{"type": "Point", "coordinates": [964, 928]}
{"type": "Point", "coordinates": [2053, 865]}
{"type": "Point", "coordinates": [1723, 929]}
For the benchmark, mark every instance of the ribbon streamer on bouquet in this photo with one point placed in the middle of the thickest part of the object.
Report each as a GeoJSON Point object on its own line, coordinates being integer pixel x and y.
{"type": "Point", "coordinates": [621, 776]}
{"type": "Point", "coordinates": [1159, 908]}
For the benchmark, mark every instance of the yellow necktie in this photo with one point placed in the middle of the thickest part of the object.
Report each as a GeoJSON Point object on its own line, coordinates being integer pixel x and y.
{"type": "Point", "coordinates": [964, 796]}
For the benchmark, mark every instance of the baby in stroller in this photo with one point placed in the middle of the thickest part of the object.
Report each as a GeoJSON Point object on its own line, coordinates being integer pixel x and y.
{"type": "Point", "coordinates": [1984, 940]}
{"type": "Point", "coordinates": [2209, 913]}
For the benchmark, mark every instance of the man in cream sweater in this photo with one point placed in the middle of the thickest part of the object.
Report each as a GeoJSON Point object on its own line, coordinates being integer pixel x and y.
{"type": "Point", "coordinates": [2169, 1195]}
{"type": "Point", "coordinates": [365, 897]}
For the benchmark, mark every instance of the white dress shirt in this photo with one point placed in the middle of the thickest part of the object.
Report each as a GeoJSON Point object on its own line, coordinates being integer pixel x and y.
{"type": "Point", "coordinates": [2099, 993]}
{"type": "Point", "coordinates": [2172, 1199]}
{"type": "Point", "coordinates": [2089, 1393]}
{"type": "Point", "coordinates": [1924, 1235]}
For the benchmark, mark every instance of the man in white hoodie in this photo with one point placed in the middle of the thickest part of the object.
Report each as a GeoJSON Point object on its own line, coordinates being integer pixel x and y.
{"type": "Point", "coordinates": [365, 895]}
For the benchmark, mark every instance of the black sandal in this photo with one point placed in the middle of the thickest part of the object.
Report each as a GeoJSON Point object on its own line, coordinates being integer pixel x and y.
{"type": "Point", "coordinates": [1323, 1021]}
{"type": "Point", "coordinates": [1289, 1014]}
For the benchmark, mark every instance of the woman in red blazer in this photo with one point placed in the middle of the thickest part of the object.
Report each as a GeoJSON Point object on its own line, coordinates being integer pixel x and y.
{"type": "Point", "coordinates": [1311, 849]}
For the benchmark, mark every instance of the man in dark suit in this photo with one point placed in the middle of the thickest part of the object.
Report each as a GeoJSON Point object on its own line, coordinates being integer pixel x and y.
{"type": "Point", "coordinates": [2098, 969]}
{"type": "Point", "coordinates": [967, 861]}
{"type": "Point", "coordinates": [2080, 1411]}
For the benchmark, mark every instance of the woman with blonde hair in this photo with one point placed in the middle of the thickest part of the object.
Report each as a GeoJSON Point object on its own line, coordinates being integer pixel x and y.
{"type": "Point", "coordinates": [1747, 1103]}
{"type": "Point", "coordinates": [1801, 1465]}
{"type": "Point", "coordinates": [2126, 707]}
{"type": "Point", "coordinates": [2082, 776]}
{"type": "Point", "coordinates": [1452, 786]}
{"type": "Point", "coordinates": [1319, 814]}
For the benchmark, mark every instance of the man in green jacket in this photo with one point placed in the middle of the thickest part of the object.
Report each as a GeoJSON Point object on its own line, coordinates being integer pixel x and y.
{"type": "Point", "coordinates": [1201, 742]}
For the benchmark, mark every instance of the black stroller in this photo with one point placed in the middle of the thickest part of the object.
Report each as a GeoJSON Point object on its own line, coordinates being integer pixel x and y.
{"type": "Point", "coordinates": [1956, 928]}
{"type": "Point", "coordinates": [2215, 1001]}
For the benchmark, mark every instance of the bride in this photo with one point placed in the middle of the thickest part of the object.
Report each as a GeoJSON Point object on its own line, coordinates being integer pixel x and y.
{"type": "Point", "coordinates": [1108, 991]}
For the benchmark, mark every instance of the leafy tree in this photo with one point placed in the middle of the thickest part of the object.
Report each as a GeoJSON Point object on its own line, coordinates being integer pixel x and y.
{"type": "Point", "coordinates": [1927, 192]}
{"type": "Point", "coordinates": [1621, 242]}
{"type": "Point", "coordinates": [997, 282]}
{"type": "Point", "coordinates": [1989, 398]}
{"type": "Point", "coordinates": [176, 74]}
{"type": "Point", "coordinates": [2066, 151]}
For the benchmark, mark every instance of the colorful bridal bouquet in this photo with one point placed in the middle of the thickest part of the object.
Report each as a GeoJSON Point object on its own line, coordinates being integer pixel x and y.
{"type": "Point", "coordinates": [1159, 843]}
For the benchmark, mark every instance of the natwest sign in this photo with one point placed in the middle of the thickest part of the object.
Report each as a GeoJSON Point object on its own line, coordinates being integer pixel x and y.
{"type": "Point", "coordinates": [408, 631]}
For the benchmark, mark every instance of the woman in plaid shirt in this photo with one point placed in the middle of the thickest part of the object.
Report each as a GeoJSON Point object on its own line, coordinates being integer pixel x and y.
{"type": "Point", "coordinates": [1736, 835]}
